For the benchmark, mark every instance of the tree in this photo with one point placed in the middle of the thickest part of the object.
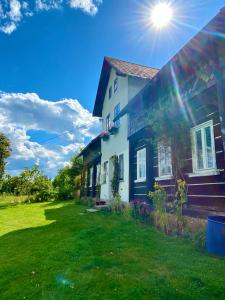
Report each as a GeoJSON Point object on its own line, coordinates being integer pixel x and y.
{"type": "Point", "coordinates": [31, 183]}
{"type": "Point", "coordinates": [4, 153]}
{"type": "Point", "coordinates": [64, 182]}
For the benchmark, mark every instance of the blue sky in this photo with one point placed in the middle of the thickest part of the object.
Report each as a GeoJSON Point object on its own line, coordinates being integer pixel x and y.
{"type": "Point", "coordinates": [55, 52]}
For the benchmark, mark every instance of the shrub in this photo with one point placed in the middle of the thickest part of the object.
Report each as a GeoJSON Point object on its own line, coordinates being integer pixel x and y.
{"type": "Point", "coordinates": [195, 231]}
{"type": "Point", "coordinates": [117, 205]}
{"type": "Point", "coordinates": [142, 210]}
{"type": "Point", "coordinates": [159, 198]}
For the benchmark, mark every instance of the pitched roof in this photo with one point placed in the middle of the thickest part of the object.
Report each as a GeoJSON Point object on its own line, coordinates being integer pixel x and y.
{"type": "Point", "coordinates": [122, 68]}
{"type": "Point", "coordinates": [95, 142]}
{"type": "Point", "coordinates": [132, 69]}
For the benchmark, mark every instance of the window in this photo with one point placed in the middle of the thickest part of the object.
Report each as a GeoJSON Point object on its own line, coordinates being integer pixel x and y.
{"type": "Point", "coordinates": [110, 92]}
{"type": "Point", "coordinates": [91, 177]}
{"type": "Point", "coordinates": [116, 112]}
{"type": "Point", "coordinates": [115, 85]}
{"type": "Point", "coordinates": [141, 165]}
{"type": "Point", "coordinates": [121, 167]}
{"type": "Point", "coordinates": [164, 160]}
{"type": "Point", "coordinates": [105, 171]}
{"type": "Point", "coordinates": [86, 179]}
{"type": "Point", "coordinates": [107, 122]}
{"type": "Point", "coordinates": [203, 147]}
{"type": "Point", "coordinates": [98, 174]}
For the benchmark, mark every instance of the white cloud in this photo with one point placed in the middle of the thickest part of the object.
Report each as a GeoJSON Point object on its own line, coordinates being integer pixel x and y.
{"type": "Point", "coordinates": [89, 6]}
{"type": "Point", "coordinates": [66, 122]}
{"type": "Point", "coordinates": [13, 11]}
{"type": "Point", "coordinates": [48, 4]}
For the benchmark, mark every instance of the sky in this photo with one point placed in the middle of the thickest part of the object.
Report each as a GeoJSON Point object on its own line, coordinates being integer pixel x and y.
{"type": "Point", "coordinates": [51, 53]}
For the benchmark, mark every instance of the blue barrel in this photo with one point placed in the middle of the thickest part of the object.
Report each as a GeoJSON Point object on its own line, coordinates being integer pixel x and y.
{"type": "Point", "coordinates": [215, 238]}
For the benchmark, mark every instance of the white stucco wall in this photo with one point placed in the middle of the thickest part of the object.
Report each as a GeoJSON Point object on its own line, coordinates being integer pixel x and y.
{"type": "Point", "coordinates": [118, 143]}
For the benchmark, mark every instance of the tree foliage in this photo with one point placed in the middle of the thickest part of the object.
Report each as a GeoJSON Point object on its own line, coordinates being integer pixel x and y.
{"type": "Point", "coordinates": [116, 177]}
{"type": "Point", "coordinates": [31, 183]}
{"type": "Point", "coordinates": [4, 153]}
{"type": "Point", "coordinates": [64, 182]}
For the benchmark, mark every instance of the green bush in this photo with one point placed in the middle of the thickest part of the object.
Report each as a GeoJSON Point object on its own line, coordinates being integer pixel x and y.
{"type": "Point", "coordinates": [118, 206]}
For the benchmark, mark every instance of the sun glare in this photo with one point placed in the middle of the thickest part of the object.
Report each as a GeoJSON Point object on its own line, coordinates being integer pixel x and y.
{"type": "Point", "coordinates": [161, 15]}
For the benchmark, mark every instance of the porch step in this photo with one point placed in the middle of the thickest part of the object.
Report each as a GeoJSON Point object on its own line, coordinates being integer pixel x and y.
{"type": "Point", "coordinates": [202, 212]}
{"type": "Point", "coordinates": [101, 204]}
{"type": "Point", "coordinates": [102, 207]}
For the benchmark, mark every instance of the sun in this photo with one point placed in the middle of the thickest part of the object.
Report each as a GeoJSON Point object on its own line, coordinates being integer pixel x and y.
{"type": "Point", "coordinates": [161, 15]}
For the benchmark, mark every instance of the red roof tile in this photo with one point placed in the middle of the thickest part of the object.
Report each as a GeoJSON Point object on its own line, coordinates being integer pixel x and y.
{"type": "Point", "coordinates": [131, 68]}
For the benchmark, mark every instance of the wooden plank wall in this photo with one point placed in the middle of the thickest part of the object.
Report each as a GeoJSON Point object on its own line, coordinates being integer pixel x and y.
{"type": "Point", "coordinates": [139, 190]}
{"type": "Point", "coordinates": [205, 191]}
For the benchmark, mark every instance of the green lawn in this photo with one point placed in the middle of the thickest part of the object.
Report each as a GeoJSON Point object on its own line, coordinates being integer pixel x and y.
{"type": "Point", "coordinates": [53, 251]}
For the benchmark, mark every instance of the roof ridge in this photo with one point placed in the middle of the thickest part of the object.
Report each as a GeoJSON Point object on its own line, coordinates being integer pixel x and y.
{"type": "Point", "coordinates": [131, 63]}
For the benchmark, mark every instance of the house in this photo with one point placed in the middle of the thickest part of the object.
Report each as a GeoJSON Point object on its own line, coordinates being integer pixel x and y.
{"type": "Point", "coordinates": [90, 176]}
{"type": "Point", "coordinates": [192, 85]}
{"type": "Point", "coordinates": [119, 82]}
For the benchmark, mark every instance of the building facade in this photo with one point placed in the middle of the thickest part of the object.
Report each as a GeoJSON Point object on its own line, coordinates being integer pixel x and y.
{"type": "Point", "coordinates": [192, 85]}
{"type": "Point", "coordinates": [119, 82]}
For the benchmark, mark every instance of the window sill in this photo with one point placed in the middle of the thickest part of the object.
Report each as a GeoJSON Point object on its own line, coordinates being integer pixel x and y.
{"type": "Point", "coordinates": [140, 180]}
{"type": "Point", "coordinates": [166, 177]}
{"type": "Point", "coordinates": [205, 173]}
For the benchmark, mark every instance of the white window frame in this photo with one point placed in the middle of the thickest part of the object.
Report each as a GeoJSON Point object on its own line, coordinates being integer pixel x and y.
{"type": "Point", "coordinates": [105, 172]}
{"type": "Point", "coordinates": [98, 174]}
{"type": "Point", "coordinates": [141, 157]}
{"type": "Point", "coordinates": [160, 166]}
{"type": "Point", "coordinates": [91, 177]}
{"type": "Point", "coordinates": [205, 170]}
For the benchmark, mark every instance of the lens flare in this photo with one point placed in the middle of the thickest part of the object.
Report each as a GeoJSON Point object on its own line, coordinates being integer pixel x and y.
{"type": "Point", "coordinates": [161, 15]}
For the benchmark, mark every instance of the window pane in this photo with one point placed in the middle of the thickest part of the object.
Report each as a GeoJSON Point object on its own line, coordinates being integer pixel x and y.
{"type": "Point", "coordinates": [209, 150]}
{"type": "Point", "coordinates": [116, 112]}
{"type": "Point", "coordinates": [110, 92]}
{"type": "Point", "coordinates": [115, 84]}
{"type": "Point", "coordinates": [121, 168]}
{"type": "Point", "coordinates": [164, 153]}
{"type": "Point", "coordinates": [141, 164]}
{"type": "Point", "coordinates": [199, 150]}
{"type": "Point", "coordinates": [107, 122]}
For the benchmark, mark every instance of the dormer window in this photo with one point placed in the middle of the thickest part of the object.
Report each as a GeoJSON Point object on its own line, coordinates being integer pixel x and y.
{"type": "Point", "coordinates": [110, 92]}
{"type": "Point", "coordinates": [115, 85]}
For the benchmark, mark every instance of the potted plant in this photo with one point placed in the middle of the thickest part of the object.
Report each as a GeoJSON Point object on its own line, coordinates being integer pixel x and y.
{"type": "Point", "coordinates": [113, 129]}
{"type": "Point", "coordinates": [105, 135]}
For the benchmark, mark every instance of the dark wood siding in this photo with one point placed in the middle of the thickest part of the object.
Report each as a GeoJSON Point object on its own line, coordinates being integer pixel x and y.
{"type": "Point", "coordinates": [139, 190]}
{"type": "Point", "coordinates": [205, 191]}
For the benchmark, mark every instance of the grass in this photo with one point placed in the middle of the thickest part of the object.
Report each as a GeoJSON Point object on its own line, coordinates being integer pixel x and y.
{"type": "Point", "coordinates": [56, 251]}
